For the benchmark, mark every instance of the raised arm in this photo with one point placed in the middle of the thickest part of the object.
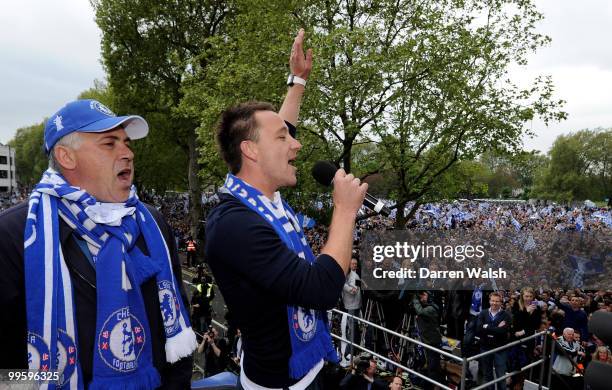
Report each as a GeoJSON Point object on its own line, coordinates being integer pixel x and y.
{"type": "Point", "coordinates": [300, 65]}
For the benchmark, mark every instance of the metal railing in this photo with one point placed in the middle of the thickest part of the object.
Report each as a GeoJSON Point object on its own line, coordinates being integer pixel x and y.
{"type": "Point", "coordinates": [432, 381]}
{"type": "Point", "coordinates": [464, 361]}
{"type": "Point", "coordinates": [547, 354]}
{"type": "Point", "coordinates": [402, 336]}
{"type": "Point", "coordinates": [510, 374]}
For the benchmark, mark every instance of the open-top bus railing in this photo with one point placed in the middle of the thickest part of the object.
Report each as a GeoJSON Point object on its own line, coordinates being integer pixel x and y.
{"type": "Point", "coordinates": [432, 381]}
{"type": "Point", "coordinates": [464, 361]}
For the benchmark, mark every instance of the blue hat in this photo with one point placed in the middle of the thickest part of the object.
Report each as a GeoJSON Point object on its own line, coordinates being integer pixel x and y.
{"type": "Point", "coordinates": [90, 116]}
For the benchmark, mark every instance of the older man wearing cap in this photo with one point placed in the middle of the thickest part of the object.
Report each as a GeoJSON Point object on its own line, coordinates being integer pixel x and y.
{"type": "Point", "coordinates": [91, 282]}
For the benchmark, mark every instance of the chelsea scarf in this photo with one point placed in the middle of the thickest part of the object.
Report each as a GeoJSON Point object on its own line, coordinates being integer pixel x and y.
{"type": "Point", "coordinates": [122, 350]}
{"type": "Point", "coordinates": [310, 338]}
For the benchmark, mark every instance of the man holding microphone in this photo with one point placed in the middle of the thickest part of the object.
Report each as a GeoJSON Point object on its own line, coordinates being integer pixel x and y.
{"type": "Point", "coordinates": [275, 288]}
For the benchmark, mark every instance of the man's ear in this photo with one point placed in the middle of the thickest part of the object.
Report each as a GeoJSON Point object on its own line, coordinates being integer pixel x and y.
{"type": "Point", "coordinates": [249, 150]}
{"type": "Point", "coordinates": [65, 157]}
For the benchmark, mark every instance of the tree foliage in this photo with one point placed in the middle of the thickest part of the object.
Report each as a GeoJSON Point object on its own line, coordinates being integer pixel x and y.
{"type": "Point", "coordinates": [580, 167]}
{"type": "Point", "coordinates": [512, 171]}
{"type": "Point", "coordinates": [425, 81]}
{"type": "Point", "coordinates": [414, 90]}
{"type": "Point", "coordinates": [147, 49]}
{"type": "Point", "coordinates": [30, 158]}
{"type": "Point", "coordinates": [401, 87]}
{"type": "Point", "coordinates": [248, 61]}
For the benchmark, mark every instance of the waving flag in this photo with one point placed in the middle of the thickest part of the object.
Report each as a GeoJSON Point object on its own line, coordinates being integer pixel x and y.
{"type": "Point", "coordinates": [579, 223]}
{"type": "Point", "coordinates": [529, 244]}
{"type": "Point", "coordinates": [393, 214]}
{"type": "Point", "coordinates": [586, 266]}
{"type": "Point", "coordinates": [483, 206]}
{"type": "Point", "coordinates": [516, 224]}
{"type": "Point", "coordinates": [560, 227]}
{"type": "Point", "coordinates": [305, 221]}
{"type": "Point", "coordinates": [605, 217]}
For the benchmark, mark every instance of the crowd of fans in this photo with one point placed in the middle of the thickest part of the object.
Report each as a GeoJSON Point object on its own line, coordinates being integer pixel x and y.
{"type": "Point", "coordinates": [485, 216]}
{"type": "Point", "coordinates": [466, 322]}
{"type": "Point", "coordinates": [483, 320]}
{"type": "Point", "coordinates": [9, 200]}
{"type": "Point", "coordinates": [477, 319]}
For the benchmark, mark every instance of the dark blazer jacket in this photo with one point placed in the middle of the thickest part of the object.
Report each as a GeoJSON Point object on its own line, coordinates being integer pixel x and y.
{"type": "Point", "coordinates": [13, 327]}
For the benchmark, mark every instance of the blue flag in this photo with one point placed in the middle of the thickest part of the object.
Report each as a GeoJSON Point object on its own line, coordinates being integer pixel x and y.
{"type": "Point", "coordinates": [516, 224]}
{"type": "Point", "coordinates": [305, 221]}
{"type": "Point", "coordinates": [586, 266]}
{"type": "Point", "coordinates": [579, 223]}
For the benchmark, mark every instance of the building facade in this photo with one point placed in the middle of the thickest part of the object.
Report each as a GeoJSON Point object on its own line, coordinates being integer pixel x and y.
{"type": "Point", "coordinates": [8, 180]}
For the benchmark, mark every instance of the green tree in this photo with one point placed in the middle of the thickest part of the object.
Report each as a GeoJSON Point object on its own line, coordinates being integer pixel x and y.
{"type": "Point", "coordinates": [252, 64]}
{"type": "Point", "coordinates": [599, 152]}
{"type": "Point", "coordinates": [512, 170]}
{"type": "Point", "coordinates": [466, 179]}
{"type": "Point", "coordinates": [525, 165]}
{"type": "Point", "coordinates": [502, 180]}
{"type": "Point", "coordinates": [147, 49]}
{"type": "Point", "coordinates": [100, 92]}
{"type": "Point", "coordinates": [248, 61]}
{"type": "Point", "coordinates": [357, 69]}
{"type": "Point", "coordinates": [580, 167]}
{"type": "Point", "coordinates": [449, 100]}
{"type": "Point", "coordinates": [425, 82]}
{"type": "Point", "coordinates": [30, 158]}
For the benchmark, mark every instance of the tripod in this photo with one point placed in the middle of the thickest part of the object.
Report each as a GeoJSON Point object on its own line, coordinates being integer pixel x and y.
{"type": "Point", "coordinates": [407, 323]}
{"type": "Point", "coordinates": [374, 307]}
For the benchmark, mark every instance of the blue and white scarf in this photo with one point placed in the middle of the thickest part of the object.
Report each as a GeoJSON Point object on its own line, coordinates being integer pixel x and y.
{"type": "Point", "coordinates": [308, 330]}
{"type": "Point", "coordinates": [476, 305]}
{"type": "Point", "coordinates": [122, 349]}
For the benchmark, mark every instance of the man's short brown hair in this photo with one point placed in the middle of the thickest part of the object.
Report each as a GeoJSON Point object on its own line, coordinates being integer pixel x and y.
{"type": "Point", "coordinates": [495, 294]}
{"type": "Point", "coordinates": [238, 124]}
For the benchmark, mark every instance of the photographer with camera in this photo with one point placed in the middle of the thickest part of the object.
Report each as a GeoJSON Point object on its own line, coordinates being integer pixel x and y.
{"type": "Point", "coordinates": [428, 324]}
{"type": "Point", "coordinates": [216, 352]}
{"type": "Point", "coordinates": [363, 375]}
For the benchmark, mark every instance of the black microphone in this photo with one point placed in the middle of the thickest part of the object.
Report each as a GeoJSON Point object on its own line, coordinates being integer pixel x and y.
{"type": "Point", "coordinates": [324, 171]}
{"type": "Point", "coordinates": [601, 325]}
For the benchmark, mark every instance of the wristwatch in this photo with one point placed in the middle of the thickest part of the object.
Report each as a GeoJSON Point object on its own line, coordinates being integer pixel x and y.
{"type": "Point", "coordinates": [293, 79]}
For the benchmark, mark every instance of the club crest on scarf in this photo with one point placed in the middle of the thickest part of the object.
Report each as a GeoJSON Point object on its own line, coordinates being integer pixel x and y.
{"type": "Point", "coordinates": [38, 353]}
{"type": "Point", "coordinates": [169, 307]}
{"type": "Point", "coordinates": [121, 340]}
{"type": "Point", "coordinates": [122, 356]}
{"type": "Point", "coordinates": [304, 323]}
{"type": "Point", "coordinates": [66, 357]}
{"type": "Point", "coordinates": [310, 338]}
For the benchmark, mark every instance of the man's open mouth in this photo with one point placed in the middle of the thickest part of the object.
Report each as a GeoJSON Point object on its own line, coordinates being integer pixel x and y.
{"type": "Point", "coordinates": [291, 162]}
{"type": "Point", "coordinates": [124, 174]}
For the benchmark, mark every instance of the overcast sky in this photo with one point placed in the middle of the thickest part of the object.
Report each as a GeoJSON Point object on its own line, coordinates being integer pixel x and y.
{"type": "Point", "coordinates": [50, 52]}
